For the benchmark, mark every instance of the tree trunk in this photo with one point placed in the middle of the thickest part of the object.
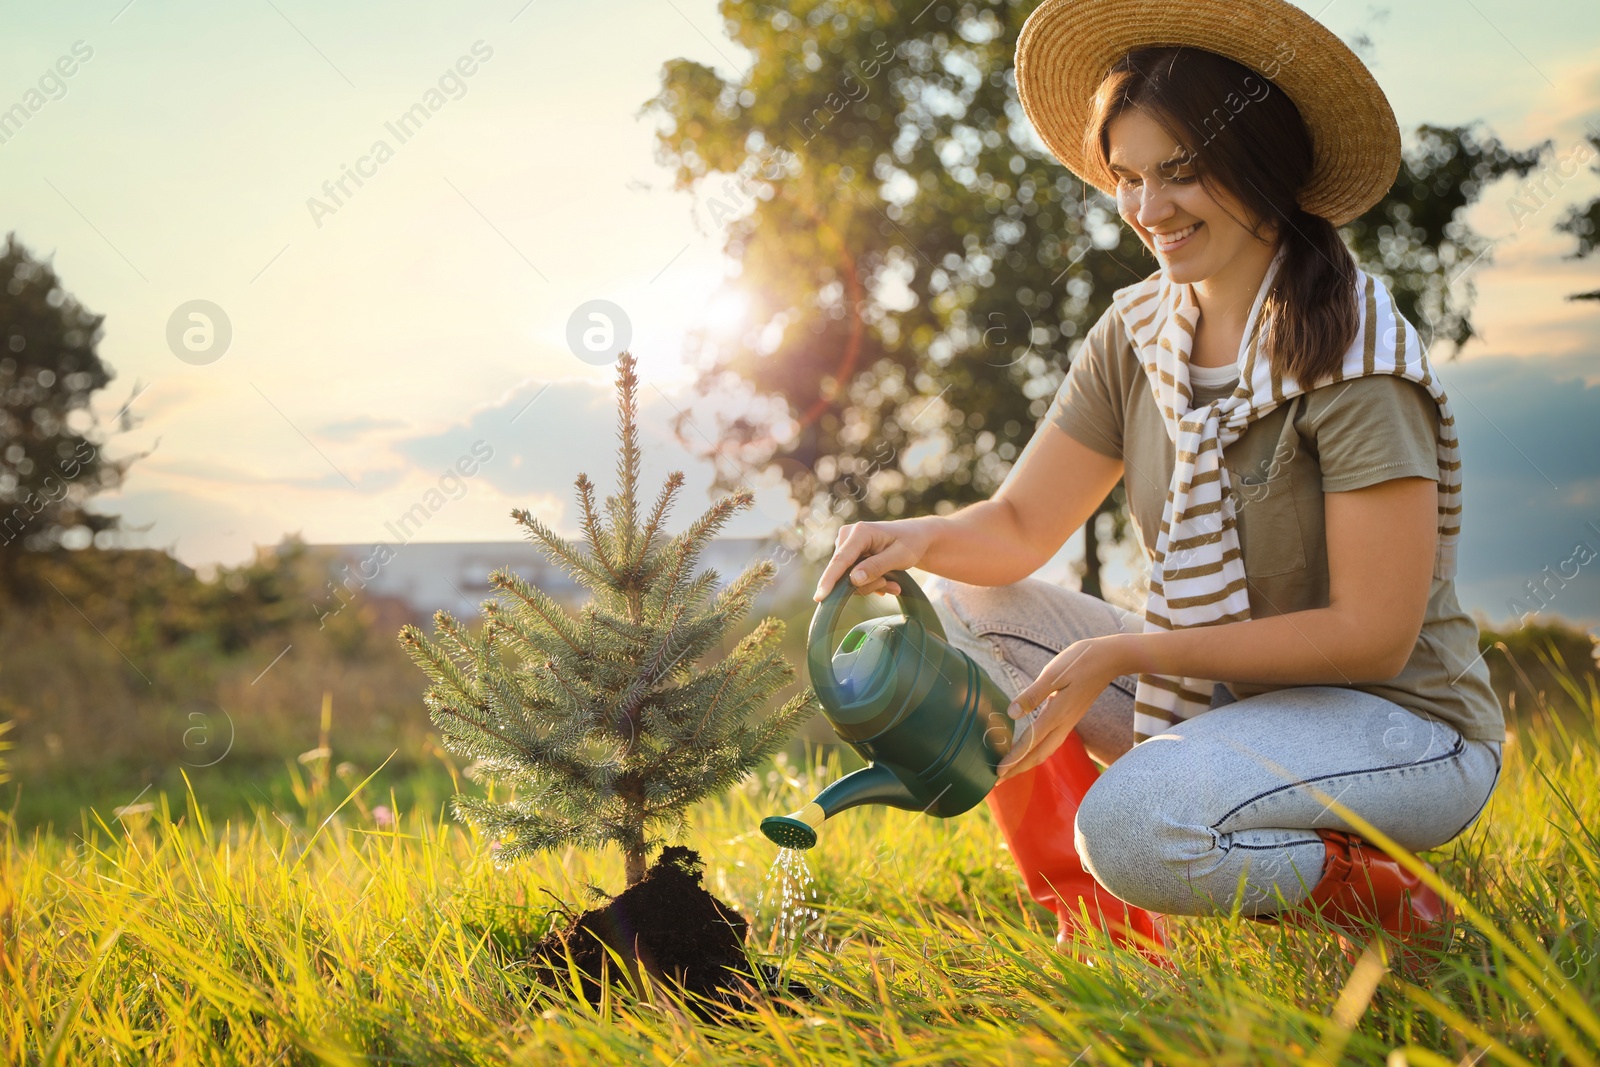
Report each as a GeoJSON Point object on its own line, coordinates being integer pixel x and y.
{"type": "Point", "coordinates": [1091, 557]}
{"type": "Point", "coordinates": [635, 860]}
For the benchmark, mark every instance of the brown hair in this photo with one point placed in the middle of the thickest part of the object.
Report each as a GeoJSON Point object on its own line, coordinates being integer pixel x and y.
{"type": "Point", "coordinates": [1243, 134]}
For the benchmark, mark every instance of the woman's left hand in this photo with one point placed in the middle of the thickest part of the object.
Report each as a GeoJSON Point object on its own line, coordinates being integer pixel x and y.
{"type": "Point", "coordinates": [1067, 686]}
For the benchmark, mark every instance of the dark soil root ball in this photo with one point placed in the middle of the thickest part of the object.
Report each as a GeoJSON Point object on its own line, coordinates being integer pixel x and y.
{"type": "Point", "coordinates": [669, 926]}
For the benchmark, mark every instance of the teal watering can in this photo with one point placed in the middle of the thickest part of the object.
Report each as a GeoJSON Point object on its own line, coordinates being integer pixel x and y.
{"type": "Point", "coordinates": [930, 723]}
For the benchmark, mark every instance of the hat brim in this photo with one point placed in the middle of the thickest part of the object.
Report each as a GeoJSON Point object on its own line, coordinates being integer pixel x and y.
{"type": "Point", "coordinates": [1066, 47]}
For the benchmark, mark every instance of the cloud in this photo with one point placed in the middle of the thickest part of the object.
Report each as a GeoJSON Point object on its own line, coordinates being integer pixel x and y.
{"type": "Point", "coordinates": [227, 475]}
{"type": "Point", "coordinates": [543, 436]}
{"type": "Point", "coordinates": [1529, 429]}
{"type": "Point", "coordinates": [1530, 453]}
{"type": "Point", "coordinates": [1568, 105]}
{"type": "Point", "coordinates": [360, 426]}
{"type": "Point", "coordinates": [198, 530]}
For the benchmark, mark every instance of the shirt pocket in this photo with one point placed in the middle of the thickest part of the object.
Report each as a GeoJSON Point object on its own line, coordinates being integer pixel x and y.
{"type": "Point", "coordinates": [1268, 524]}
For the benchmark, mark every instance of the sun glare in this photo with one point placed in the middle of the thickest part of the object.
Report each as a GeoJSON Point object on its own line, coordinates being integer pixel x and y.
{"type": "Point", "coordinates": [728, 313]}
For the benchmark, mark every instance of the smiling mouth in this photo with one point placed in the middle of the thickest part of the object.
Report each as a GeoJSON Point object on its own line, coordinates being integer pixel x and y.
{"type": "Point", "coordinates": [1167, 241]}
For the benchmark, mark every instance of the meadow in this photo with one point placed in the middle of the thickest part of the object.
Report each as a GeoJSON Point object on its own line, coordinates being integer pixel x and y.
{"type": "Point", "coordinates": [345, 927]}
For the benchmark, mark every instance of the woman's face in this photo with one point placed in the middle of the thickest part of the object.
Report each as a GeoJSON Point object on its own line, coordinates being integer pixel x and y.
{"type": "Point", "coordinates": [1159, 194]}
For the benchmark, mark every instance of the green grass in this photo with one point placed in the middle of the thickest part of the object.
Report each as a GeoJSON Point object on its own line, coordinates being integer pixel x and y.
{"type": "Point", "coordinates": [315, 935]}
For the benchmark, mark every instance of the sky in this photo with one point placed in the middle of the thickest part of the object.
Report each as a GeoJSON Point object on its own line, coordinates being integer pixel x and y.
{"type": "Point", "coordinates": [380, 333]}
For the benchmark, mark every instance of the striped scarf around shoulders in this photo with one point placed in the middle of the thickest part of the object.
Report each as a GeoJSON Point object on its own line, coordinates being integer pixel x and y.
{"type": "Point", "coordinates": [1197, 572]}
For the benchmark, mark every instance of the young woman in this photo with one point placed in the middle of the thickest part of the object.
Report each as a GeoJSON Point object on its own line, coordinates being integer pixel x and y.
{"type": "Point", "coordinates": [1291, 466]}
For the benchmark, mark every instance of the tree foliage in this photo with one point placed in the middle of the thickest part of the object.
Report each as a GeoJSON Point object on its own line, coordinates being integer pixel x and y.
{"type": "Point", "coordinates": [602, 723]}
{"type": "Point", "coordinates": [51, 463]}
{"type": "Point", "coordinates": [1414, 238]}
{"type": "Point", "coordinates": [1583, 223]}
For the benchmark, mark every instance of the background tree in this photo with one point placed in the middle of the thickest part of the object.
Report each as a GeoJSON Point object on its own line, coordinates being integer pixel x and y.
{"type": "Point", "coordinates": [919, 268]}
{"type": "Point", "coordinates": [602, 724]}
{"type": "Point", "coordinates": [1583, 223]}
{"type": "Point", "coordinates": [1413, 238]}
{"type": "Point", "coordinates": [51, 463]}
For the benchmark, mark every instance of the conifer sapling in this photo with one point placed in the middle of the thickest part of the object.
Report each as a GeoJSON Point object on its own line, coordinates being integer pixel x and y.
{"type": "Point", "coordinates": [604, 724]}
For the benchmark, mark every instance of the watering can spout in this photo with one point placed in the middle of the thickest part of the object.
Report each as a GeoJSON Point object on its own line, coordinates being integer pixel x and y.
{"type": "Point", "coordinates": [876, 784]}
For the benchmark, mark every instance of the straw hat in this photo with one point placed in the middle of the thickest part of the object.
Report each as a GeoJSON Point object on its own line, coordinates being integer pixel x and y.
{"type": "Point", "coordinates": [1067, 46]}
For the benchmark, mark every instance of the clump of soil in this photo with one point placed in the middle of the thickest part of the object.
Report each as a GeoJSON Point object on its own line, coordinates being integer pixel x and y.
{"type": "Point", "coordinates": [669, 926]}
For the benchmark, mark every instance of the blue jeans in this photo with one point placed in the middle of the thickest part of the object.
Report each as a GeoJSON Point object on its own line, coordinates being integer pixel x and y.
{"type": "Point", "coordinates": [1179, 823]}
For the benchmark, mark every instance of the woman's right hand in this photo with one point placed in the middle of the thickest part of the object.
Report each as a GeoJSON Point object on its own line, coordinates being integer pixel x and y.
{"type": "Point", "coordinates": [879, 547]}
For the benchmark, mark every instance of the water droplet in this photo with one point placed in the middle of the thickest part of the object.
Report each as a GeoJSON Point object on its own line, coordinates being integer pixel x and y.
{"type": "Point", "coordinates": [788, 896]}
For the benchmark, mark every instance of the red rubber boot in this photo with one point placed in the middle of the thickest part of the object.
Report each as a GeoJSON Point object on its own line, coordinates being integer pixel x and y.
{"type": "Point", "coordinates": [1362, 884]}
{"type": "Point", "coordinates": [1036, 812]}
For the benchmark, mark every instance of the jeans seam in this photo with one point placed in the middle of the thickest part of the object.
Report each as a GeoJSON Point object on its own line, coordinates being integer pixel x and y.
{"type": "Point", "coordinates": [1493, 784]}
{"type": "Point", "coordinates": [1285, 844]}
{"type": "Point", "coordinates": [1050, 648]}
{"type": "Point", "coordinates": [997, 629]}
{"type": "Point", "coordinates": [1460, 747]}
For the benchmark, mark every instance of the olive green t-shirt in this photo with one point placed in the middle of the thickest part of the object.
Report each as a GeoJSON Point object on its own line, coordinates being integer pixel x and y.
{"type": "Point", "coordinates": [1341, 436]}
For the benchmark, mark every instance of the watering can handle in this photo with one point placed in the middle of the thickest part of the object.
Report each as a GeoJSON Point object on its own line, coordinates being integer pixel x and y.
{"type": "Point", "coordinates": [914, 604]}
